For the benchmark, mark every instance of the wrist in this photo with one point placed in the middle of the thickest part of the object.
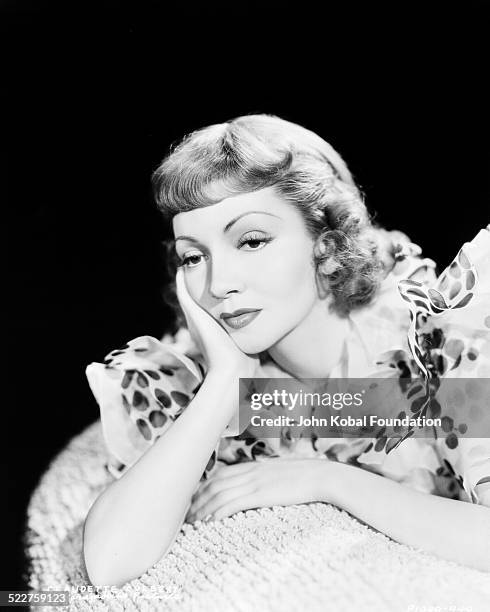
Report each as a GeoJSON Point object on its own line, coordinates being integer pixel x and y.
{"type": "Point", "coordinates": [329, 481]}
{"type": "Point", "coordinates": [223, 387]}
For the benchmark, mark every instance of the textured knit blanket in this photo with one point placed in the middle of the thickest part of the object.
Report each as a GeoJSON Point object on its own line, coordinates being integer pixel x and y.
{"type": "Point", "coordinates": [303, 557]}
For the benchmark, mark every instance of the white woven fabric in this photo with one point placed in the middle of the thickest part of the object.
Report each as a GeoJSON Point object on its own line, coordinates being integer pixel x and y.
{"type": "Point", "coordinates": [305, 557]}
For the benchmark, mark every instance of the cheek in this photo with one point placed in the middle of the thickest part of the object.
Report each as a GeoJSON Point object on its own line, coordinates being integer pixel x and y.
{"type": "Point", "coordinates": [287, 291]}
{"type": "Point", "coordinates": [287, 275]}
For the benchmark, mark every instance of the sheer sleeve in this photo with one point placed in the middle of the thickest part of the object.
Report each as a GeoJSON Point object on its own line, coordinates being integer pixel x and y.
{"type": "Point", "coordinates": [141, 390]}
{"type": "Point", "coordinates": [449, 340]}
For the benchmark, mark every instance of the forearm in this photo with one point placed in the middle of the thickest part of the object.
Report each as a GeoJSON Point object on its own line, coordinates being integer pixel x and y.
{"type": "Point", "coordinates": [451, 529]}
{"type": "Point", "coordinates": [136, 519]}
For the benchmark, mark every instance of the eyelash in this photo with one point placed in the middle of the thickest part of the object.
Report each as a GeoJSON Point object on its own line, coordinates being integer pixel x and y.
{"type": "Point", "coordinates": [252, 237]}
{"type": "Point", "coordinates": [256, 237]}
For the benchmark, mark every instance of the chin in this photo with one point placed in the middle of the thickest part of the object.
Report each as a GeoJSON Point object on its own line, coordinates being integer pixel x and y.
{"type": "Point", "coordinates": [251, 346]}
{"type": "Point", "coordinates": [255, 341]}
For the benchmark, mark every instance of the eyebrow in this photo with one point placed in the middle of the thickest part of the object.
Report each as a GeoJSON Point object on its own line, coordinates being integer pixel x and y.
{"type": "Point", "coordinates": [231, 223]}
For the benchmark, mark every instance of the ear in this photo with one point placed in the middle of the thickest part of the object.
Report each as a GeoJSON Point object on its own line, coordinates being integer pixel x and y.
{"type": "Point", "coordinates": [321, 286]}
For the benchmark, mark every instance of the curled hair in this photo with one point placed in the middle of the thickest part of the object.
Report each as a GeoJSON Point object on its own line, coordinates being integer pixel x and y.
{"type": "Point", "coordinates": [258, 151]}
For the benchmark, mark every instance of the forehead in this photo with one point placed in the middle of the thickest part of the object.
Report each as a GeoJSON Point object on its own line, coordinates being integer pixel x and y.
{"type": "Point", "coordinates": [216, 216]}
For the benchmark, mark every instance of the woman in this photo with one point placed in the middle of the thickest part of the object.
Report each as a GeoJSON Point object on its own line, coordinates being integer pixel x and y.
{"type": "Point", "coordinates": [281, 273]}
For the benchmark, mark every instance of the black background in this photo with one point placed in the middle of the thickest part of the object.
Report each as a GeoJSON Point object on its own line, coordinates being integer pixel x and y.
{"type": "Point", "coordinates": [96, 94]}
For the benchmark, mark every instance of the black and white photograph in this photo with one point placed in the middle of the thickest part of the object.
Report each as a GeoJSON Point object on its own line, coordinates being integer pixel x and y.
{"type": "Point", "coordinates": [248, 314]}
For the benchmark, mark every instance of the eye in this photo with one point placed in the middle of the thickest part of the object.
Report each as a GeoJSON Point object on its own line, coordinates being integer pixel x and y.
{"type": "Point", "coordinates": [191, 261]}
{"type": "Point", "coordinates": [255, 240]}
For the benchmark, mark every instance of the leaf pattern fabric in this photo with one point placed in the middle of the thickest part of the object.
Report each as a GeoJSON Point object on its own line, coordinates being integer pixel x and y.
{"type": "Point", "coordinates": [421, 325]}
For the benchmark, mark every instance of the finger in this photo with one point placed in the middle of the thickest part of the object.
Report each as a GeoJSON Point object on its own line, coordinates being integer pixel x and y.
{"type": "Point", "coordinates": [183, 296]}
{"type": "Point", "coordinates": [216, 488]}
{"type": "Point", "coordinates": [249, 501]}
{"type": "Point", "coordinates": [230, 498]}
{"type": "Point", "coordinates": [205, 495]}
{"type": "Point", "coordinates": [188, 304]}
{"type": "Point", "coordinates": [223, 472]}
{"type": "Point", "coordinates": [227, 471]}
{"type": "Point", "coordinates": [193, 313]}
{"type": "Point", "coordinates": [181, 287]}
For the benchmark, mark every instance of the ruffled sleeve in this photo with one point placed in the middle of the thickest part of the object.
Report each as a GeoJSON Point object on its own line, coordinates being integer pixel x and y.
{"type": "Point", "coordinates": [448, 337]}
{"type": "Point", "coordinates": [141, 389]}
{"type": "Point", "coordinates": [451, 332]}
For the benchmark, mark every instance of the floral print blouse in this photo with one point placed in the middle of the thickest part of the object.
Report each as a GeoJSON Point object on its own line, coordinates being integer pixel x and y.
{"type": "Point", "coordinates": [419, 325]}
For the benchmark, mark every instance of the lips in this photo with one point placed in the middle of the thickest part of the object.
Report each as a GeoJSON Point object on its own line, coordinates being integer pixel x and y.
{"type": "Point", "coordinates": [240, 318]}
{"type": "Point", "coordinates": [236, 313]}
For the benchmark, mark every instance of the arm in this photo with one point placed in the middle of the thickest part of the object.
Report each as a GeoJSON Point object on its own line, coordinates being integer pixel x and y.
{"type": "Point", "coordinates": [137, 518]}
{"type": "Point", "coordinates": [448, 528]}
{"type": "Point", "coordinates": [452, 529]}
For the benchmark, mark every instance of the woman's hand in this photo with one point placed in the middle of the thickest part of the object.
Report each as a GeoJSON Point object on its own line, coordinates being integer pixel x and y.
{"type": "Point", "coordinates": [257, 484]}
{"type": "Point", "coordinates": [218, 348]}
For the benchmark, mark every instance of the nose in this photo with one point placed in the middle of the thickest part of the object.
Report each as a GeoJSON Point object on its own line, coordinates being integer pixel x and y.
{"type": "Point", "coordinates": [224, 279]}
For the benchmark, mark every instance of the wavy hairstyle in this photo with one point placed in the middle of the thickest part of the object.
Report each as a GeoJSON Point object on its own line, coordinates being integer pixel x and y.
{"type": "Point", "coordinates": [257, 151]}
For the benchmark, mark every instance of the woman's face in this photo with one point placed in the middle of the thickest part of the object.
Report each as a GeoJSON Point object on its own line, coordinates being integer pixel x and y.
{"type": "Point", "coordinates": [253, 252]}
